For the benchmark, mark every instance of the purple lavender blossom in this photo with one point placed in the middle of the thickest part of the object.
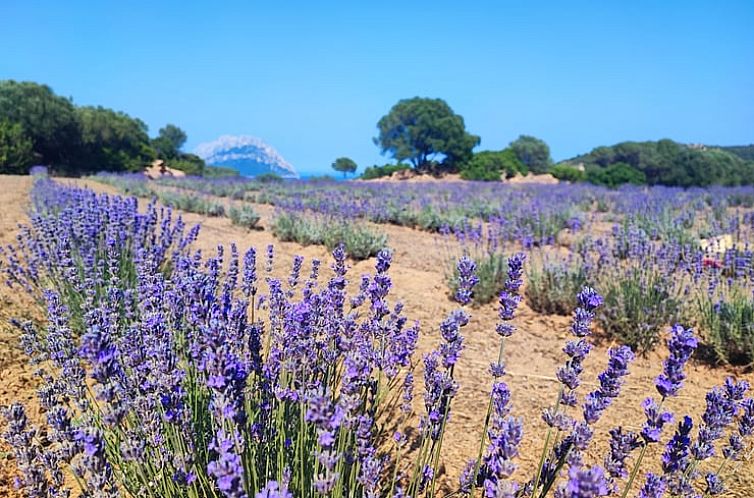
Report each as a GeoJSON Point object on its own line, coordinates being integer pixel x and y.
{"type": "Point", "coordinates": [298, 261]}
{"type": "Point", "coordinates": [681, 345]}
{"type": "Point", "coordinates": [450, 330]}
{"type": "Point", "coordinates": [656, 420]}
{"type": "Point", "coordinates": [227, 468]}
{"type": "Point", "coordinates": [714, 484]}
{"type": "Point", "coordinates": [467, 279]}
{"type": "Point", "coordinates": [588, 301]}
{"type": "Point", "coordinates": [270, 258]}
{"type": "Point", "coordinates": [273, 490]}
{"type": "Point", "coordinates": [621, 446]}
{"type": "Point", "coordinates": [676, 455]}
{"type": "Point", "coordinates": [654, 487]}
{"type": "Point", "coordinates": [720, 412]}
{"type": "Point", "coordinates": [505, 434]}
{"type": "Point", "coordinates": [746, 422]}
{"type": "Point", "coordinates": [569, 374]}
{"type": "Point", "coordinates": [509, 296]}
{"type": "Point", "coordinates": [610, 382]}
{"type": "Point", "coordinates": [586, 483]}
{"type": "Point", "coordinates": [249, 282]}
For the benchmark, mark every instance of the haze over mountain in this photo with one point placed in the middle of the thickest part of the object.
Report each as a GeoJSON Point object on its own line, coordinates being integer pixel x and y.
{"type": "Point", "coordinates": [249, 155]}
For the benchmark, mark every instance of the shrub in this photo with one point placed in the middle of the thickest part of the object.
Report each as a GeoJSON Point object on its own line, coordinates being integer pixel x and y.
{"type": "Point", "coordinates": [359, 241]}
{"type": "Point", "coordinates": [244, 216]}
{"type": "Point", "coordinates": [727, 326]}
{"type": "Point", "coordinates": [188, 163]}
{"type": "Point", "coordinates": [637, 306]}
{"type": "Point", "coordinates": [220, 172]}
{"type": "Point", "coordinates": [478, 173]}
{"type": "Point", "coordinates": [491, 165]}
{"type": "Point", "coordinates": [372, 172]}
{"type": "Point", "coordinates": [568, 173]}
{"type": "Point", "coordinates": [552, 286]}
{"type": "Point", "coordinates": [191, 203]}
{"type": "Point", "coordinates": [269, 178]}
{"type": "Point", "coordinates": [490, 271]}
{"type": "Point", "coordinates": [615, 175]}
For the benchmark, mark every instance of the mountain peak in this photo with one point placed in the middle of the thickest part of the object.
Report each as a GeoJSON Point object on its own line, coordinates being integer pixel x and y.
{"type": "Point", "coordinates": [250, 155]}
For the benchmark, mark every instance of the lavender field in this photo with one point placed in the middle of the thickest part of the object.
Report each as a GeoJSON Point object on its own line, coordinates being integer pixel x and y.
{"type": "Point", "coordinates": [376, 339]}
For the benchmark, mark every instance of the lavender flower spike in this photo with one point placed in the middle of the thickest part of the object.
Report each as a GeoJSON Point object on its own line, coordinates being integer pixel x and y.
{"type": "Point", "coordinates": [681, 344]}
{"type": "Point", "coordinates": [654, 487]}
{"type": "Point", "coordinates": [273, 490]}
{"type": "Point", "coordinates": [467, 279]}
{"type": "Point", "coordinates": [588, 300]}
{"type": "Point", "coordinates": [589, 483]}
{"type": "Point", "coordinates": [509, 296]}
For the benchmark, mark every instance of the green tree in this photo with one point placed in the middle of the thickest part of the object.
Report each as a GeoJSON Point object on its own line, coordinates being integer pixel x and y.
{"type": "Point", "coordinates": [111, 141]}
{"type": "Point", "coordinates": [344, 165]}
{"type": "Point", "coordinates": [48, 120]}
{"type": "Point", "coordinates": [169, 141]}
{"type": "Point", "coordinates": [16, 152]}
{"type": "Point", "coordinates": [421, 130]}
{"type": "Point", "coordinates": [533, 152]}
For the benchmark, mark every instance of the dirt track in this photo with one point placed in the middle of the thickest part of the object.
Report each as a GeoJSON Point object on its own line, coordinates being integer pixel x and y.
{"type": "Point", "coordinates": [533, 353]}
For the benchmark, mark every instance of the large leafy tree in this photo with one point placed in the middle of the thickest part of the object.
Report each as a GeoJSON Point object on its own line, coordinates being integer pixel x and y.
{"type": "Point", "coordinates": [169, 141]}
{"type": "Point", "coordinates": [112, 141]}
{"type": "Point", "coordinates": [16, 150]}
{"type": "Point", "coordinates": [48, 120]}
{"type": "Point", "coordinates": [345, 165]}
{"type": "Point", "coordinates": [533, 152]}
{"type": "Point", "coordinates": [422, 130]}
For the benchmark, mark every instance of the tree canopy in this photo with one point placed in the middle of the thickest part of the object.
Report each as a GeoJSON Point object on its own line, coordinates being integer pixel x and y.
{"type": "Point", "coordinates": [423, 130]}
{"type": "Point", "coordinates": [169, 141]}
{"type": "Point", "coordinates": [345, 165]}
{"type": "Point", "coordinates": [113, 139]}
{"type": "Point", "coordinates": [666, 162]}
{"type": "Point", "coordinates": [533, 152]}
{"type": "Point", "coordinates": [48, 120]}
{"type": "Point", "coordinates": [37, 126]}
{"type": "Point", "coordinates": [16, 149]}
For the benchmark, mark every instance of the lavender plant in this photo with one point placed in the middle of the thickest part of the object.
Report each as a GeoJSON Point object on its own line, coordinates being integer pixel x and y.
{"type": "Point", "coordinates": [244, 216]}
{"type": "Point", "coordinates": [197, 377]}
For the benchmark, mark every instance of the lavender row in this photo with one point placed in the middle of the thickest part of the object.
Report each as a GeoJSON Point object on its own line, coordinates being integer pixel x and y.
{"type": "Point", "coordinates": [218, 376]}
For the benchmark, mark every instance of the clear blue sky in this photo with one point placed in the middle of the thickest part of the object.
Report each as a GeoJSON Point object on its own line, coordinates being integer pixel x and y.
{"type": "Point", "coordinates": [313, 78]}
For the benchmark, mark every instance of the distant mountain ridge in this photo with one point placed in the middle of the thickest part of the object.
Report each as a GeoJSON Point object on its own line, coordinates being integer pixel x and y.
{"type": "Point", "coordinates": [251, 156]}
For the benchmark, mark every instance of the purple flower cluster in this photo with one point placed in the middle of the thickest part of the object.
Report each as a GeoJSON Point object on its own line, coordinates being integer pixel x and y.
{"type": "Point", "coordinates": [577, 350]}
{"type": "Point", "coordinates": [681, 345]}
{"type": "Point", "coordinates": [467, 279]}
{"type": "Point", "coordinates": [510, 296]}
{"type": "Point", "coordinates": [610, 383]}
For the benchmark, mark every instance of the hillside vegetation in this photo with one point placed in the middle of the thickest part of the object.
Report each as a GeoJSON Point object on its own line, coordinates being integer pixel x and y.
{"type": "Point", "coordinates": [665, 162]}
{"type": "Point", "coordinates": [39, 127]}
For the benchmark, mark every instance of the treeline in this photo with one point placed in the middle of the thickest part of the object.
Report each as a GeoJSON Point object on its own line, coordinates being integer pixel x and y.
{"type": "Point", "coordinates": [742, 151]}
{"type": "Point", "coordinates": [39, 127]}
{"type": "Point", "coordinates": [663, 162]}
{"type": "Point", "coordinates": [426, 135]}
